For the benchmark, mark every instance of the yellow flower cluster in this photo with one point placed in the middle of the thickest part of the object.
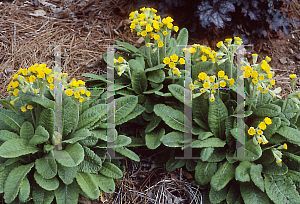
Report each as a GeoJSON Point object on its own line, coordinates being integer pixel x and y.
{"type": "Point", "coordinates": [211, 83]}
{"type": "Point", "coordinates": [277, 154]}
{"type": "Point", "coordinates": [260, 75]}
{"type": "Point", "coordinates": [122, 65]}
{"type": "Point", "coordinates": [77, 88]}
{"type": "Point", "coordinates": [201, 52]}
{"type": "Point", "coordinates": [258, 132]}
{"type": "Point", "coordinates": [172, 61]}
{"type": "Point", "coordinates": [149, 25]}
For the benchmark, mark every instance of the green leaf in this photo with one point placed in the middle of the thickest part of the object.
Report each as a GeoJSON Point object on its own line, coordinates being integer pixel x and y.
{"type": "Point", "coordinates": [8, 105]}
{"type": "Point", "coordinates": [174, 163]}
{"type": "Point", "coordinates": [156, 89]}
{"type": "Point", "coordinates": [27, 131]}
{"type": "Point", "coordinates": [67, 174]}
{"type": "Point", "coordinates": [41, 135]}
{"type": "Point", "coordinates": [153, 138]}
{"type": "Point", "coordinates": [218, 155]}
{"type": "Point", "coordinates": [204, 135]}
{"type": "Point", "coordinates": [95, 76]}
{"type": "Point", "coordinates": [24, 190]}
{"type": "Point", "coordinates": [47, 103]}
{"type": "Point", "coordinates": [67, 194]}
{"type": "Point", "coordinates": [173, 139]}
{"type": "Point", "coordinates": [217, 115]}
{"type": "Point", "coordinates": [200, 108]}
{"type": "Point", "coordinates": [46, 167]}
{"type": "Point", "coordinates": [128, 153]}
{"type": "Point", "coordinates": [210, 142]}
{"type": "Point", "coordinates": [68, 114]}
{"type": "Point", "coordinates": [136, 112]}
{"type": "Point", "coordinates": [183, 37]}
{"type": "Point", "coordinates": [295, 176]}
{"type": "Point", "coordinates": [177, 91]}
{"type": "Point", "coordinates": [4, 173]}
{"type": "Point", "coordinates": [173, 118]}
{"type": "Point", "coordinates": [157, 67]}
{"type": "Point", "coordinates": [88, 185]}
{"type": "Point", "coordinates": [91, 116]}
{"type": "Point", "coordinates": [223, 175]}
{"type": "Point", "coordinates": [274, 169]}
{"type": "Point", "coordinates": [15, 148]}
{"type": "Point", "coordinates": [242, 172]}
{"type": "Point", "coordinates": [47, 121]}
{"type": "Point", "coordinates": [41, 196]}
{"type": "Point", "coordinates": [138, 80]}
{"type": "Point", "coordinates": [281, 189]}
{"type": "Point", "coordinates": [91, 163]}
{"type": "Point", "coordinates": [127, 46]}
{"type": "Point", "coordinates": [14, 181]}
{"type": "Point", "coordinates": [73, 154]}
{"type": "Point", "coordinates": [291, 134]}
{"type": "Point", "coordinates": [105, 183]}
{"type": "Point", "coordinates": [234, 194]}
{"type": "Point", "coordinates": [256, 177]}
{"type": "Point", "coordinates": [11, 119]}
{"type": "Point", "coordinates": [6, 135]}
{"type": "Point", "coordinates": [252, 194]}
{"type": "Point", "coordinates": [204, 172]}
{"type": "Point", "coordinates": [47, 184]}
{"type": "Point", "coordinates": [252, 150]}
{"type": "Point", "coordinates": [122, 140]}
{"type": "Point", "coordinates": [156, 76]}
{"type": "Point", "coordinates": [206, 153]}
{"type": "Point", "coordinates": [78, 135]}
{"type": "Point", "coordinates": [110, 170]}
{"type": "Point", "coordinates": [268, 110]}
{"type": "Point", "coordinates": [123, 107]}
{"type": "Point", "coordinates": [217, 196]}
{"type": "Point", "coordinates": [153, 124]}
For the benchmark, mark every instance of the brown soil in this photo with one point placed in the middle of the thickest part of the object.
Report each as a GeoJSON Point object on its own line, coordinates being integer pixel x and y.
{"type": "Point", "coordinates": [84, 28]}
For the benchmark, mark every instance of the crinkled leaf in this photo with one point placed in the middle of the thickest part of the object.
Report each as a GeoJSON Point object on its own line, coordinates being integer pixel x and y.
{"type": "Point", "coordinates": [15, 148]}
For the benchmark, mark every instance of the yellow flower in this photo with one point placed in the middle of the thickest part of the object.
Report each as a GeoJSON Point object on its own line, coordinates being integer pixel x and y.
{"type": "Point", "coordinates": [51, 86]}
{"type": "Point", "coordinates": [156, 37]}
{"type": "Point", "coordinates": [279, 160]}
{"type": "Point", "coordinates": [202, 76]}
{"type": "Point", "coordinates": [268, 58]}
{"type": "Point", "coordinates": [12, 103]}
{"type": "Point", "coordinates": [260, 140]}
{"type": "Point", "coordinates": [82, 91]}
{"type": "Point", "coordinates": [184, 50]}
{"type": "Point", "coordinates": [175, 70]}
{"type": "Point", "coordinates": [149, 28]}
{"type": "Point", "coordinates": [261, 77]}
{"type": "Point", "coordinates": [228, 40]}
{"type": "Point", "coordinates": [9, 87]}
{"type": "Point", "coordinates": [216, 86]}
{"type": "Point", "coordinates": [170, 25]}
{"type": "Point", "coordinates": [272, 82]}
{"type": "Point", "coordinates": [48, 71]}
{"type": "Point", "coordinates": [160, 43]}
{"type": "Point", "coordinates": [166, 60]}
{"type": "Point", "coordinates": [231, 81]}
{"type": "Point", "coordinates": [165, 33]}
{"type": "Point", "coordinates": [225, 77]}
{"type": "Point", "coordinates": [88, 93]}
{"type": "Point", "coordinates": [143, 23]}
{"type": "Point", "coordinates": [144, 33]}
{"type": "Point", "coordinates": [221, 74]}
{"type": "Point", "coordinates": [262, 125]}
{"type": "Point", "coordinates": [268, 121]}
{"type": "Point", "coordinates": [204, 58]}
{"type": "Point", "coordinates": [172, 65]}
{"type": "Point", "coordinates": [248, 68]}
{"type": "Point", "coordinates": [165, 21]}
{"type": "Point", "coordinates": [76, 94]}
{"type": "Point", "coordinates": [219, 44]}
{"type": "Point", "coordinates": [24, 72]}
{"type": "Point", "coordinates": [169, 19]}
{"type": "Point", "coordinates": [206, 85]}
{"type": "Point", "coordinates": [15, 84]}
{"type": "Point", "coordinates": [29, 107]}
{"type": "Point", "coordinates": [148, 45]}
{"type": "Point", "coordinates": [176, 28]}
{"type": "Point", "coordinates": [293, 76]}
{"type": "Point", "coordinates": [212, 99]}
{"type": "Point", "coordinates": [23, 109]}
{"type": "Point", "coordinates": [81, 99]}
{"type": "Point", "coordinates": [35, 91]}
{"type": "Point", "coordinates": [211, 79]}
{"type": "Point", "coordinates": [251, 131]}
{"type": "Point", "coordinates": [181, 61]}
{"type": "Point", "coordinates": [69, 92]}
{"type": "Point", "coordinates": [120, 59]}
{"type": "Point", "coordinates": [254, 74]}
{"type": "Point", "coordinates": [49, 79]}
{"type": "Point", "coordinates": [202, 90]}
{"type": "Point", "coordinates": [41, 75]}
{"type": "Point", "coordinates": [265, 91]}
{"type": "Point", "coordinates": [246, 74]}
{"type": "Point", "coordinates": [254, 81]}
{"type": "Point", "coordinates": [32, 78]}
{"type": "Point", "coordinates": [260, 132]}
{"type": "Point", "coordinates": [285, 146]}
{"type": "Point", "coordinates": [174, 58]}
{"type": "Point", "coordinates": [222, 83]}
{"type": "Point", "coordinates": [15, 76]}
{"type": "Point", "coordinates": [192, 50]}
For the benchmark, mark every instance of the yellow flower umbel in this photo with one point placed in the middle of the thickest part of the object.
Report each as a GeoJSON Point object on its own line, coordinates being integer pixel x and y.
{"type": "Point", "coordinates": [257, 133]}
{"type": "Point", "coordinates": [293, 80]}
{"type": "Point", "coordinates": [122, 66]}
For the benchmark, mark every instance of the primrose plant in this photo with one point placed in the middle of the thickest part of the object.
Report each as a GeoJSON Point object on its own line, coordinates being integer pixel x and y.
{"type": "Point", "coordinates": [31, 169]}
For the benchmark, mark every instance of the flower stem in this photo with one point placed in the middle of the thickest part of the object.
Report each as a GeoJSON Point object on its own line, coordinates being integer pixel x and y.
{"type": "Point", "coordinates": [165, 46]}
{"type": "Point", "coordinates": [33, 119]}
{"type": "Point", "coordinates": [77, 119]}
{"type": "Point", "coordinates": [147, 40]}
